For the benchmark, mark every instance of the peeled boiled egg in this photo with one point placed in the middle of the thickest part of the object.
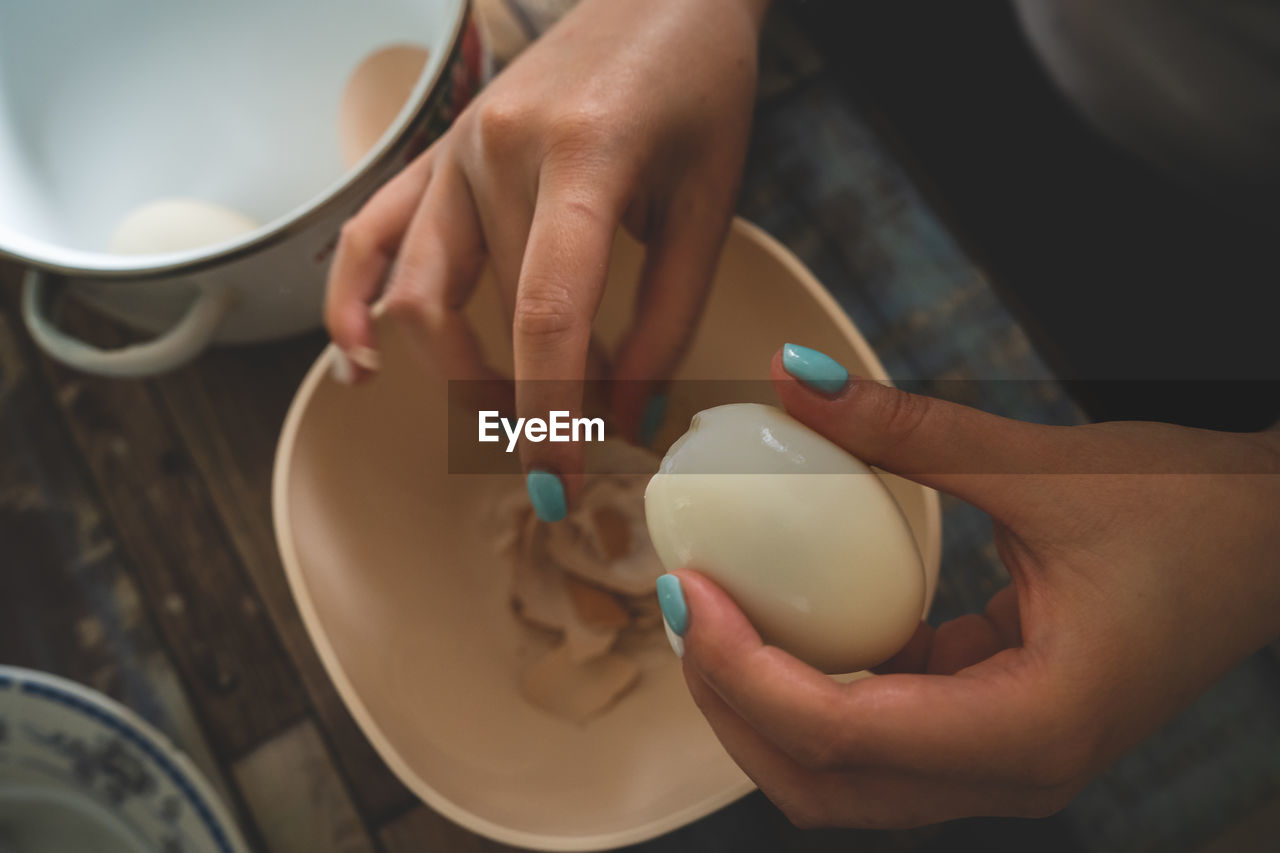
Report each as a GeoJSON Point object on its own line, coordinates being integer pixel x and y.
{"type": "Point", "coordinates": [374, 95]}
{"type": "Point", "coordinates": [176, 225]}
{"type": "Point", "coordinates": [804, 537]}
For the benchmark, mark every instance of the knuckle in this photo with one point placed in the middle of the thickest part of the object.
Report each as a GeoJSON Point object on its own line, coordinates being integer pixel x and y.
{"type": "Point", "coordinates": [593, 142]}
{"type": "Point", "coordinates": [405, 287]}
{"type": "Point", "coordinates": [899, 415]}
{"type": "Point", "coordinates": [582, 128]}
{"type": "Point", "coordinates": [820, 752]}
{"type": "Point", "coordinates": [714, 661]}
{"type": "Point", "coordinates": [354, 237]}
{"type": "Point", "coordinates": [433, 316]}
{"type": "Point", "coordinates": [587, 211]}
{"type": "Point", "coordinates": [544, 313]}
{"type": "Point", "coordinates": [430, 315]}
{"type": "Point", "coordinates": [500, 122]}
{"type": "Point", "coordinates": [403, 303]}
{"type": "Point", "coordinates": [399, 306]}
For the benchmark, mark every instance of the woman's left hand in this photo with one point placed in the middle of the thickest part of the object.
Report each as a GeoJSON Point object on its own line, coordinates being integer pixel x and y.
{"type": "Point", "coordinates": [1144, 560]}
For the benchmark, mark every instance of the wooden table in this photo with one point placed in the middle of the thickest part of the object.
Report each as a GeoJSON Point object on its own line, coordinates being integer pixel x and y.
{"type": "Point", "coordinates": [137, 556]}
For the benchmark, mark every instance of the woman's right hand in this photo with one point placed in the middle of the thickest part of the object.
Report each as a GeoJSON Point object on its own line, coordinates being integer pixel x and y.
{"type": "Point", "coordinates": [632, 114]}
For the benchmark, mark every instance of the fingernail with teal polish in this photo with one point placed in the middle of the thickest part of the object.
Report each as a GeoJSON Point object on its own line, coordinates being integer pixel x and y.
{"type": "Point", "coordinates": [675, 613]}
{"type": "Point", "coordinates": [546, 493]}
{"type": "Point", "coordinates": [818, 370]}
{"type": "Point", "coordinates": [651, 421]}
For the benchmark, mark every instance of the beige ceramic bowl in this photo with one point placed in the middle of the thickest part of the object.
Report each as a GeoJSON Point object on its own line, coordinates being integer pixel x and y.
{"type": "Point", "coordinates": [388, 559]}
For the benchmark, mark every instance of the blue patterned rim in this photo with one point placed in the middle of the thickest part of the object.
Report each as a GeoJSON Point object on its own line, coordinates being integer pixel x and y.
{"type": "Point", "coordinates": [138, 739]}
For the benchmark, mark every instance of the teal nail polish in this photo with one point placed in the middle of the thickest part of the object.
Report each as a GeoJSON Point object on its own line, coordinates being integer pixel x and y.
{"type": "Point", "coordinates": [671, 600]}
{"type": "Point", "coordinates": [546, 493]}
{"type": "Point", "coordinates": [651, 420]}
{"type": "Point", "coordinates": [819, 371]}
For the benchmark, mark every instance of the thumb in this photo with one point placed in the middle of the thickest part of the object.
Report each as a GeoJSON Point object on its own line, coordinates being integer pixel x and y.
{"type": "Point", "coordinates": [984, 459]}
{"type": "Point", "coordinates": [981, 723]}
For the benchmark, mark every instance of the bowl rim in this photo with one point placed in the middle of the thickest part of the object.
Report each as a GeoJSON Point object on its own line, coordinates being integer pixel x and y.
{"type": "Point", "coordinates": [932, 558]}
{"type": "Point", "coordinates": [102, 710]}
{"type": "Point", "coordinates": [428, 91]}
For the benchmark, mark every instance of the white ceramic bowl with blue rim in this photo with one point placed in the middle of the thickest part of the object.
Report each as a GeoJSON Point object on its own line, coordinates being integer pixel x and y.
{"type": "Point", "coordinates": [80, 772]}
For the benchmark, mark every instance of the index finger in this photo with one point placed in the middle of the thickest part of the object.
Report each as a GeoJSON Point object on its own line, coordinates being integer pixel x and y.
{"type": "Point", "coordinates": [366, 247]}
{"type": "Point", "coordinates": [561, 281]}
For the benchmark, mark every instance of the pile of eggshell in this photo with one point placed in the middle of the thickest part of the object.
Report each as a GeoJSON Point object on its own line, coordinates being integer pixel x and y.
{"type": "Point", "coordinates": [584, 585]}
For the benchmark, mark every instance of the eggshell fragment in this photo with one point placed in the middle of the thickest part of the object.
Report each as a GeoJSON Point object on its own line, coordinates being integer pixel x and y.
{"type": "Point", "coordinates": [595, 607]}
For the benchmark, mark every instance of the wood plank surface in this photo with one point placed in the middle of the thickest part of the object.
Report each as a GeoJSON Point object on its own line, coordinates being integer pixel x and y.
{"type": "Point", "coordinates": [228, 409]}
{"type": "Point", "coordinates": [300, 803]}
{"type": "Point", "coordinates": [201, 598]}
{"type": "Point", "coordinates": [70, 603]}
{"type": "Point", "coordinates": [207, 436]}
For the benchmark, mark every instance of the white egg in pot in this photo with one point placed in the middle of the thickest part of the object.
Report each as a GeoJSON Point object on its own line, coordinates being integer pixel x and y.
{"type": "Point", "coordinates": [176, 225]}
{"type": "Point", "coordinates": [804, 537]}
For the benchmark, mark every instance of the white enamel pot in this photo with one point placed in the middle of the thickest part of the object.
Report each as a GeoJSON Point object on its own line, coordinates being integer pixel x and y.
{"type": "Point", "coordinates": [105, 107]}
